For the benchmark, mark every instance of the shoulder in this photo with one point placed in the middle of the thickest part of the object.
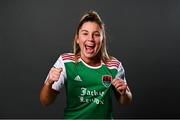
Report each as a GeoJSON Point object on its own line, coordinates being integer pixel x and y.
{"type": "Point", "coordinates": [113, 63]}
{"type": "Point", "coordinates": [69, 57]}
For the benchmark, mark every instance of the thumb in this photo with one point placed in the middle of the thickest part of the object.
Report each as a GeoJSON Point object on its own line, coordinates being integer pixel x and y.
{"type": "Point", "coordinates": [58, 69]}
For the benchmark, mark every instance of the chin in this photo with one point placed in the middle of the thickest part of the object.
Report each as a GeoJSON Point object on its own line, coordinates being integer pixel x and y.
{"type": "Point", "coordinates": [88, 55]}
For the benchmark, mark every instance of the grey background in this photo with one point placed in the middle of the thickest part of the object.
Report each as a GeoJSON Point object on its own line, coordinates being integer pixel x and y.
{"type": "Point", "coordinates": [142, 34]}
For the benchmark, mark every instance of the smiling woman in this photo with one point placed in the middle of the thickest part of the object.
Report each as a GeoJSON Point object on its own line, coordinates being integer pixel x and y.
{"type": "Point", "coordinates": [89, 41]}
{"type": "Point", "coordinates": [89, 74]}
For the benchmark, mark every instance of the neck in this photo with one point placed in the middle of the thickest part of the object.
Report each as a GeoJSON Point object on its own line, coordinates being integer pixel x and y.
{"type": "Point", "coordinates": [95, 61]}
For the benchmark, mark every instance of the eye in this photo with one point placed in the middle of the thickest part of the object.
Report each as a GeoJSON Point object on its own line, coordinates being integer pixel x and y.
{"type": "Point", "coordinates": [84, 33]}
{"type": "Point", "coordinates": [97, 35]}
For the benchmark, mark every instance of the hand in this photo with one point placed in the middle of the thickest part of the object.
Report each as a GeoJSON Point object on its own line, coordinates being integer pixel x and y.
{"type": "Point", "coordinates": [120, 86]}
{"type": "Point", "coordinates": [53, 75]}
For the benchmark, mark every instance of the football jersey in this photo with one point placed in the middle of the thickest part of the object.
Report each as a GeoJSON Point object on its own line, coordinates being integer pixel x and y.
{"type": "Point", "coordinates": [88, 88]}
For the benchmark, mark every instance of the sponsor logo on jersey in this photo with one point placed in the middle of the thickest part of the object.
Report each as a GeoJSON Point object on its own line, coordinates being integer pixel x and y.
{"type": "Point", "coordinates": [106, 80]}
{"type": "Point", "coordinates": [77, 78]}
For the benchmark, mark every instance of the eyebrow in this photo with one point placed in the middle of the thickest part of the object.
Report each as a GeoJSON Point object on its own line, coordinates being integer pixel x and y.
{"type": "Point", "coordinates": [88, 31]}
{"type": "Point", "coordinates": [83, 30]}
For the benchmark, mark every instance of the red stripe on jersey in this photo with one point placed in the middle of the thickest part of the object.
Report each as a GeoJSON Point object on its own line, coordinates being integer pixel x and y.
{"type": "Point", "coordinates": [69, 57]}
{"type": "Point", "coordinates": [113, 63]}
{"type": "Point", "coordinates": [112, 66]}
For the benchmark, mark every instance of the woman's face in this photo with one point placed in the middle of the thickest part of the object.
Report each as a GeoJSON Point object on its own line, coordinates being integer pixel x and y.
{"type": "Point", "coordinates": [90, 40]}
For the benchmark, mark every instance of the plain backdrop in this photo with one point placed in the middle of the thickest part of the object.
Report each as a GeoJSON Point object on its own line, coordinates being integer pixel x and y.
{"type": "Point", "coordinates": [143, 34]}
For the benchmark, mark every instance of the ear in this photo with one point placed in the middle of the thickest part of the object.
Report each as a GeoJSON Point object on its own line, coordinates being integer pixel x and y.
{"type": "Point", "coordinates": [77, 39]}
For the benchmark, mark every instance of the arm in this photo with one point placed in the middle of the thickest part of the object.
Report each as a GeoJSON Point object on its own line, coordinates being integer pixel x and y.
{"type": "Point", "coordinates": [47, 94]}
{"type": "Point", "coordinates": [121, 89]}
{"type": "Point", "coordinates": [122, 92]}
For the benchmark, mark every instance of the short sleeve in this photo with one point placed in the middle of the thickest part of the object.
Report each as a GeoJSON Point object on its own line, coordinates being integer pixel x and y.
{"type": "Point", "coordinates": [57, 85]}
{"type": "Point", "coordinates": [121, 73]}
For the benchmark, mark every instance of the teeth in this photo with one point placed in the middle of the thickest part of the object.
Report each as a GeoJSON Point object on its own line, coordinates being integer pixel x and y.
{"type": "Point", "coordinates": [89, 45]}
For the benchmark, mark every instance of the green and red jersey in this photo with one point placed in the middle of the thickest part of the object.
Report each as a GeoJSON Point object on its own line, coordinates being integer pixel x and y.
{"type": "Point", "coordinates": [88, 88]}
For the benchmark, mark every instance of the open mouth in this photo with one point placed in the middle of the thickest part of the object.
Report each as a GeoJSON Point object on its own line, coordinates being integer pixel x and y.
{"type": "Point", "coordinates": [90, 48]}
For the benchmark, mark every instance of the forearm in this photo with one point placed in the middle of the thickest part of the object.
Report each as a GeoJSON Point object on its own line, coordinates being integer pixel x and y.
{"type": "Point", "coordinates": [125, 98]}
{"type": "Point", "coordinates": [47, 94]}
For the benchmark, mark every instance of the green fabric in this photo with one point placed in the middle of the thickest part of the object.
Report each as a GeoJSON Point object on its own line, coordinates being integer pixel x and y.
{"type": "Point", "coordinates": [89, 95]}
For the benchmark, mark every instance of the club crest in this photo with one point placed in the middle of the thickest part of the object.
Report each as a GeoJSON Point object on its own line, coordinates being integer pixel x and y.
{"type": "Point", "coordinates": [106, 80]}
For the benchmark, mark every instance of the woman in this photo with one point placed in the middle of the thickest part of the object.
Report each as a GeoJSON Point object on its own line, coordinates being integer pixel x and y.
{"type": "Point", "coordinates": [89, 74]}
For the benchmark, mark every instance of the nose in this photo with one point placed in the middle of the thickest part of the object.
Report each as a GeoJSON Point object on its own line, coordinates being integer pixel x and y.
{"type": "Point", "coordinates": [91, 37]}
